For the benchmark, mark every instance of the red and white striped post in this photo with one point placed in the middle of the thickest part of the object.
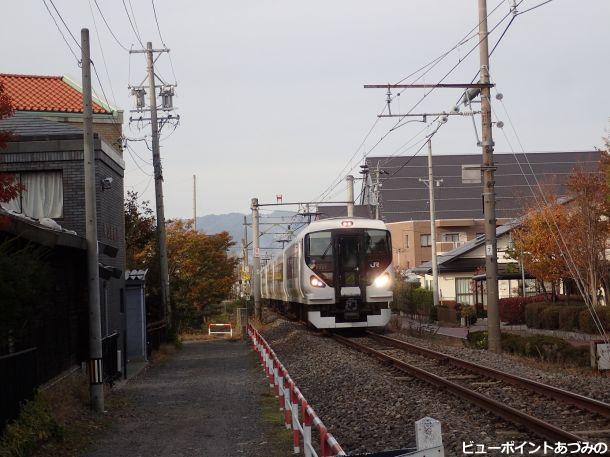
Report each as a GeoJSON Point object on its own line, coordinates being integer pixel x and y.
{"type": "Point", "coordinates": [307, 422]}
{"type": "Point", "coordinates": [294, 410]}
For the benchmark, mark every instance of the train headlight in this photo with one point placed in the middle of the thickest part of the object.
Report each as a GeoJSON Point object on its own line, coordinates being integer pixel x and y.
{"type": "Point", "coordinates": [382, 280]}
{"type": "Point", "coordinates": [347, 223]}
{"type": "Point", "coordinates": [316, 282]}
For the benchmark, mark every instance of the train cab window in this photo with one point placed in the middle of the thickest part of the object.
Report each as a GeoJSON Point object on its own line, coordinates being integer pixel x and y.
{"type": "Point", "coordinates": [378, 249]}
{"type": "Point", "coordinates": [319, 255]}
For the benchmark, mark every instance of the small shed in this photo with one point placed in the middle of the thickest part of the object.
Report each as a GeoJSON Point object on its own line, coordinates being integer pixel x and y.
{"type": "Point", "coordinates": [135, 314]}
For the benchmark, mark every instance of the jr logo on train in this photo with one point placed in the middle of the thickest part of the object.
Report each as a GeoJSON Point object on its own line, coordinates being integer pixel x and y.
{"type": "Point", "coordinates": [336, 273]}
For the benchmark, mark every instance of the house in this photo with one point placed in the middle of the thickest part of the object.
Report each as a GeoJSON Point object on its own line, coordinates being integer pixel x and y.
{"type": "Point", "coordinates": [58, 98]}
{"type": "Point", "coordinates": [404, 197]}
{"type": "Point", "coordinates": [458, 268]}
{"type": "Point", "coordinates": [46, 156]}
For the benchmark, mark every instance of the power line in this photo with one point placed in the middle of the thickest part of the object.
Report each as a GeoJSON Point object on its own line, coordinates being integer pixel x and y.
{"type": "Point", "coordinates": [131, 23]}
{"type": "Point", "coordinates": [65, 25]}
{"type": "Point", "coordinates": [61, 33]}
{"type": "Point", "coordinates": [396, 125]}
{"type": "Point", "coordinates": [99, 42]}
{"type": "Point", "coordinates": [534, 7]}
{"type": "Point", "coordinates": [110, 29]}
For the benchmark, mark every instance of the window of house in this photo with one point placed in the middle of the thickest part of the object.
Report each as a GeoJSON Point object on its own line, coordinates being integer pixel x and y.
{"type": "Point", "coordinates": [463, 292]}
{"type": "Point", "coordinates": [425, 240]}
{"type": "Point", "coordinates": [451, 237]}
{"type": "Point", "coordinates": [406, 240]}
{"type": "Point", "coordinates": [43, 195]}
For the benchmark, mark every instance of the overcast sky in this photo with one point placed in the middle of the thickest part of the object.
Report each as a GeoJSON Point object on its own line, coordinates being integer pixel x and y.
{"type": "Point", "coordinates": [270, 92]}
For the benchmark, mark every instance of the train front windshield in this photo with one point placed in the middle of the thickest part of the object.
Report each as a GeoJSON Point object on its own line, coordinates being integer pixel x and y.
{"type": "Point", "coordinates": [348, 257]}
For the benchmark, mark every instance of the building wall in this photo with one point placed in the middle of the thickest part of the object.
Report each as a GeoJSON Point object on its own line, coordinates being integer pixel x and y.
{"type": "Point", "coordinates": [414, 254]}
{"type": "Point", "coordinates": [67, 156]}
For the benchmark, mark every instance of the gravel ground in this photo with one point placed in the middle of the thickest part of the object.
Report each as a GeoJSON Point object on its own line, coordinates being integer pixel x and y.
{"type": "Point", "coordinates": [203, 401]}
{"type": "Point", "coordinates": [584, 382]}
{"type": "Point", "coordinates": [369, 407]}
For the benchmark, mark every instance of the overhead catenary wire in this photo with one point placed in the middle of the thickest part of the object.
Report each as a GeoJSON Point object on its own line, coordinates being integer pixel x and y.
{"type": "Point", "coordinates": [339, 179]}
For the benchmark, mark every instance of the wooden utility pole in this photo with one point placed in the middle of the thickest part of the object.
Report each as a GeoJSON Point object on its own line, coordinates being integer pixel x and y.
{"type": "Point", "coordinates": [256, 262]}
{"type": "Point", "coordinates": [194, 202]}
{"type": "Point", "coordinates": [96, 372]}
{"type": "Point", "coordinates": [350, 196]}
{"type": "Point", "coordinates": [489, 197]}
{"type": "Point", "coordinates": [158, 174]}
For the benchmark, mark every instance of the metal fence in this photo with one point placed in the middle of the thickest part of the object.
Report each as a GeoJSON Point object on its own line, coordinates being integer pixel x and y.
{"type": "Point", "coordinates": [156, 333]}
{"type": "Point", "coordinates": [18, 382]}
{"type": "Point", "coordinates": [110, 358]}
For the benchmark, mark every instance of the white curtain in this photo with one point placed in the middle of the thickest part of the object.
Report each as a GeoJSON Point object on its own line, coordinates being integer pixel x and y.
{"type": "Point", "coordinates": [43, 195]}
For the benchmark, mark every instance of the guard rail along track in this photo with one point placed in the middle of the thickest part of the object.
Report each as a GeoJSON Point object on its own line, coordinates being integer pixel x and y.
{"type": "Point", "coordinates": [597, 412]}
{"type": "Point", "coordinates": [428, 433]}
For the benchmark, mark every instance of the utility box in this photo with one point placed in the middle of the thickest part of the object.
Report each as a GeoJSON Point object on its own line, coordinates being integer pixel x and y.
{"type": "Point", "coordinates": [135, 314]}
{"type": "Point", "coordinates": [600, 355]}
{"type": "Point", "coordinates": [242, 321]}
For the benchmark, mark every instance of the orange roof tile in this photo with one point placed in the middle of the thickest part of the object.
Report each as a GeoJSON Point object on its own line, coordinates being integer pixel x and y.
{"type": "Point", "coordinates": [44, 93]}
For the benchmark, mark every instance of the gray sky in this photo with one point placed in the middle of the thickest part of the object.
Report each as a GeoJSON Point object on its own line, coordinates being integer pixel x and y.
{"type": "Point", "coordinates": [270, 92]}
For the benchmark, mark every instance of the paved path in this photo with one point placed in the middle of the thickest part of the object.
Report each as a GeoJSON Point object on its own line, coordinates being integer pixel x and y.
{"type": "Point", "coordinates": [202, 402]}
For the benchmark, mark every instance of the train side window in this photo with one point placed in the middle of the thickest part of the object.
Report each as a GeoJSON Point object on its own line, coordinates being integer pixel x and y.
{"type": "Point", "coordinates": [319, 254]}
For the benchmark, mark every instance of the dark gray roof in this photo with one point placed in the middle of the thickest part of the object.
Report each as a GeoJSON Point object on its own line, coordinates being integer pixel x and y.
{"type": "Point", "coordinates": [341, 211]}
{"type": "Point", "coordinates": [27, 126]}
{"type": "Point", "coordinates": [405, 198]}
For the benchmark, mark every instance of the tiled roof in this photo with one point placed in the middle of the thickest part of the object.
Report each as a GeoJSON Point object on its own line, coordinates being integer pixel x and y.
{"type": "Point", "coordinates": [45, 93]}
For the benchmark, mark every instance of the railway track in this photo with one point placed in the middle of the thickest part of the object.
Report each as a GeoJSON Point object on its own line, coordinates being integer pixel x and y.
{"type": "Point", "coordinates": [552, 413]}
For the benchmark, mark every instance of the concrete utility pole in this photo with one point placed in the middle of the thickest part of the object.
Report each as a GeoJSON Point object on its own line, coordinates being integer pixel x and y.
{"type": "Point", "coordinates": [350, 195]}
{"type": "Point", "coordinates": [489, 197]}
{"type": "Point", "coordinates": [96, 373]}
{"type": "Point", "coordinates": [432, 226]}
{"type": "Point", "coordinates": [256, 261]}
{"type": "Point", "coordinates": [194, 202]}
{"type": "Point", "coordinates": [244, 248]}
{"type": "Point", "coordinates": [161, 235]}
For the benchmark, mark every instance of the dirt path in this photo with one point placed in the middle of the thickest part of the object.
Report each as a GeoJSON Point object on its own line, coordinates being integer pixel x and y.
{"type": "Point", "coordinates": [204, 401]}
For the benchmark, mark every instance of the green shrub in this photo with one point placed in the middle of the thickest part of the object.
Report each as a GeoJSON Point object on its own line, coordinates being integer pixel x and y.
{"type": "Point", "coordinates": [532, 314]}
{"type": "Point", "coordinates": [34, 426]}
{"type": "Point", "coordinates": [549, 317]}
{"type": "Point", "coordinates": [433, 314]}
{"type": "Point", "coordinates": [569, 317]}
{"type": "Point", "coordinates": [477, 340]}
{"type": "Point", "coordinates": [548, 348]}
{"type": "Point", "coordinates": [585, 321]}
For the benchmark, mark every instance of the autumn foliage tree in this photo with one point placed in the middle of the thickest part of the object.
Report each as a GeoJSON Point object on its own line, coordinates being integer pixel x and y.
{"type": "Point", "coordinates": [570, 240]}
{"type": "Point", "coordinates": [8, 188]}
{"type": "Point", "coordinates": [200, 269]}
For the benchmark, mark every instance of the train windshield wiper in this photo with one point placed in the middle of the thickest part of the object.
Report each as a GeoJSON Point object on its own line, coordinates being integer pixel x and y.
{"type": "Point", "coordinates": [326, 250]}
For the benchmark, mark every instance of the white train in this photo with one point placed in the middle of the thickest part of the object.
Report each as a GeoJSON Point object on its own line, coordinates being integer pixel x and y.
{"type": "Point", "coordinates": [336, 273]}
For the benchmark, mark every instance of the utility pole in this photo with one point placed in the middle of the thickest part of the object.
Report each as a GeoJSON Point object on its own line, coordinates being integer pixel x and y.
{"type": "Point", "coordinates": [194, 202]}
{"type": "Point", "coordinates": [489, 197]}
{"type": "Point", "coordinates": [256, 261]}
{"type": "Point", "coordinates": [96, 386]}
{"type": "Point", "coordinates": [244, 247]}
{"type": "Point", "coordinates": [350, 195]}
{"type": "Point", "coordinates": [430, 182]}
{"type": "Point", "coordinates": [377, 189]}
{"type": "Point", "coordinates": [166, 92]}
{"type": "Point", "coordinates": [158, 173]}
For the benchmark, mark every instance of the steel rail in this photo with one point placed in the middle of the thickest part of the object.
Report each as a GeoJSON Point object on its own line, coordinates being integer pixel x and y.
{"type": "Point", "coordinates": [540, 427]}
{"type": "Point", "coordinates": [582, 402]}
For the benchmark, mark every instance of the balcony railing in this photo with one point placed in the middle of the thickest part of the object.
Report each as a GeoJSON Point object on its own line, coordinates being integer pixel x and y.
{"type": "Point", "coordinates": [446, 246]}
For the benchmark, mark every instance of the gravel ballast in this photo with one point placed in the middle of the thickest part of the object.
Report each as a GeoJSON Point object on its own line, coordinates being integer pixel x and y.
{"type": "Point", "coordinates": [583, 382]}
{"type": "Point", "coordinates": [369, 407]}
